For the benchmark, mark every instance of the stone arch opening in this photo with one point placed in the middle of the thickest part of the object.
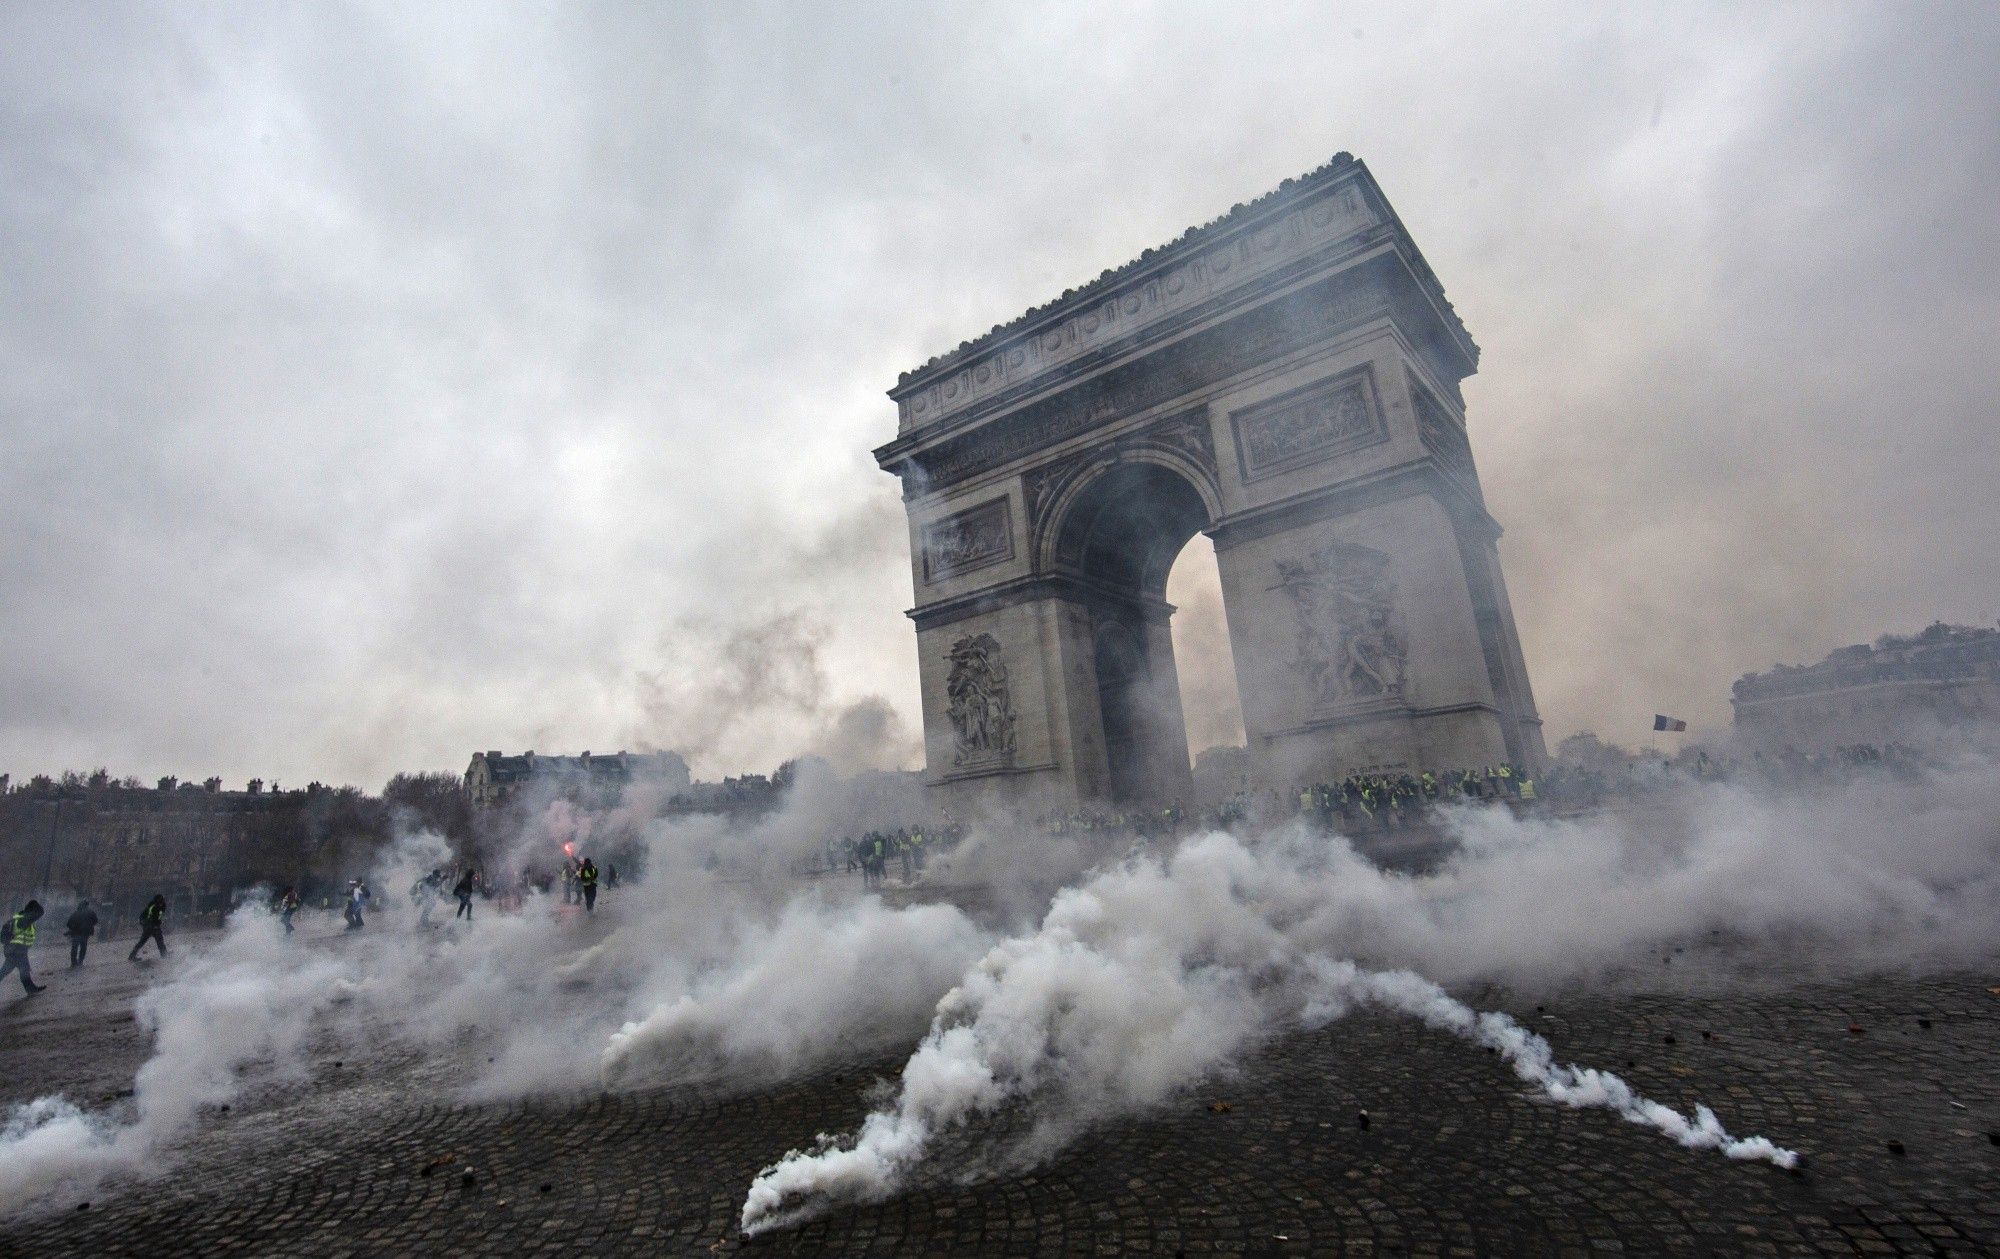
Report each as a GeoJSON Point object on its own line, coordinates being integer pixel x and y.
{"type": "Point", "coordinates": [1118, 537]}
{"type": "Point", "coordinates": [1206, 660]}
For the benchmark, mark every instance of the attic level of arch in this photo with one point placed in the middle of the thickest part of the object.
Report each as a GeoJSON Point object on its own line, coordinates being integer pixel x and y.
{"type": "Point", "coordinates": [1098, 393]}
{"type": "Point", "coordinates": [1329, 217]}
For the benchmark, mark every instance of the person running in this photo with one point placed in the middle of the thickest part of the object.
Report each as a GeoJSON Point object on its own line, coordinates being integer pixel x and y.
{"type": "Point", "coordinates": [586, 879]}
{"type": "Point", "coordinates": [18, 939]}
{"type": "Point", "coordinates": [463, 890]}
{"type": "Point", "coordinates": [425, 893]}
{"type": "Point", "coordinates": [81, 926]}
{"type": "Point", "coordinates": [357, 900]}
{"type": "Point", "coordinates": [288, 904]}
{"type": "Point", "coordinates": [152, 923]}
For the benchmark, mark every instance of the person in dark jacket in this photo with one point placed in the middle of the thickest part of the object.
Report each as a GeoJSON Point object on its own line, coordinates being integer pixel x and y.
{"type": "Point", "coordinates": [463, 890]}
{"type": "Point", "coordinates": [586, 879]}
{"type": "Point", "coordinates": [17, 938]}
{"type": "Point", "coordinates": [81, 926]}
{"type": "Point", "coordinates": [152, 923]}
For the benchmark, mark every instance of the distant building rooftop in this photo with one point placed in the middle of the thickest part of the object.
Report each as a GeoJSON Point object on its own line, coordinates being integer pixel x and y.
{"type": "Point", "coordinates": [1940, 653]}
{"type": "Point", "coordinates": [493, 775]}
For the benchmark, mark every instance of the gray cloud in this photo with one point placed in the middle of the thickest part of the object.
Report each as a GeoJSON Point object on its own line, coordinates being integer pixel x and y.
{"type": "Point", "coordinates": [381, 383]}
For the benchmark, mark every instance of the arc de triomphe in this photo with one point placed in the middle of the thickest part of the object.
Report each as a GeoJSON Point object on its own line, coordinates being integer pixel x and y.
{"type": "Point", "coordinates": [1285, 379]}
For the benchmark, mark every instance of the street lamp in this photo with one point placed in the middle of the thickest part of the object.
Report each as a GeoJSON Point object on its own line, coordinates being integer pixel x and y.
{"type": "Point", "coordinates": [49, 857]}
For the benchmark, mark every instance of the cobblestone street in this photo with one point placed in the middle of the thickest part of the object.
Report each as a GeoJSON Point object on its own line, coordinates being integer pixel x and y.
{"type": "Point", "coordinates": [373, 1157]}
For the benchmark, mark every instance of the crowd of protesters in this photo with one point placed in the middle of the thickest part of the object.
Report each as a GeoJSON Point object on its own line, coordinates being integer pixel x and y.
{"type": "Point", "coordinates": [1358, 804]}
{"type": "Point", "coordinates": [906, 848]}
{"type": "Point", "coordinates": [1368, 803]}
{"type": "Point", "coordinates": [1362, 801]}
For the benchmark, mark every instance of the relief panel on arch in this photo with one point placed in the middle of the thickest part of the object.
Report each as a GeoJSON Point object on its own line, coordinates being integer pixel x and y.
{"type": "Point", "coordinates": [1327, 418]}
{"type": "Point", "coordinates": [979, 702]}
{"type": "Point", "coordinates": [969, 539]}
{"type": "Point", "coordinates": [1352, 645]}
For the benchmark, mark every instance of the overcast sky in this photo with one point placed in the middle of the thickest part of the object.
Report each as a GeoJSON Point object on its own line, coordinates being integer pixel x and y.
{"type": "Point", "coordinates": [382, 384]}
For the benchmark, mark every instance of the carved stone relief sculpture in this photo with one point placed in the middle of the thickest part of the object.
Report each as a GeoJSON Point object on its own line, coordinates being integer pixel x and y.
{"type": "Point", "coordinates": [1317, 422]}
{"type": "Point", "coordinates": [981, 535]}
{"type": "Point", "coordinates": [1352, 645]}
{"type": "Point", "coordinates": [977, 701]}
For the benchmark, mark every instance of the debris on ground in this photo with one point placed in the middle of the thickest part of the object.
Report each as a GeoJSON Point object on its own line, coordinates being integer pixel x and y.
{"type": "Point", "coordinates": [442, 1160]}
{"type": "Point", "coordinates": [1896, 1147]}
{"type": "Point", "coordinates": [1219, 1108]}
{"type": "Point", "coordinates": [1855, 1029]}
{"type": "Point", "coordinates": [1362, 1119]}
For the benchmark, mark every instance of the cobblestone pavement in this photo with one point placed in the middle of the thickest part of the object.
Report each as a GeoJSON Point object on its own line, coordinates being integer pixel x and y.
{"type": "Point", "coordinates": [1456, 1158]}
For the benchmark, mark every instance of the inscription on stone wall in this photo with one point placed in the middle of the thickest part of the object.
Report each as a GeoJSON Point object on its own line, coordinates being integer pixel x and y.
{"type": "Point", "coordinates": [1194, 364]}
{"type": "Point", "coordinates": [1306, 425]}
{"type": "Point", "coordinates": [970, 539]}
{"type": "Point", "coordinates": [1352, 644]}
{"type": "Point", "coordinates": [1236, 259]}
{"type": "Point", "coordinates": [978, 703]}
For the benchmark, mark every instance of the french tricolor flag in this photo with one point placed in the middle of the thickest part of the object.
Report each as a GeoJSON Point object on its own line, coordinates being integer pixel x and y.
{"type": "Point", "coordinates": [1663, 722]}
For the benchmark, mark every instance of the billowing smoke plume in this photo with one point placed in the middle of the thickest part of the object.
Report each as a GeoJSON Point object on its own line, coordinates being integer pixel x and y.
{"type": "Point", "coordinates": [1141, 980]}
{"type": "Point", "coordinates": [247, 1001]}
{"type": "Point", "coordinates": [1103, 998]}
{"type": "Point", "coordinates": [724, 690]}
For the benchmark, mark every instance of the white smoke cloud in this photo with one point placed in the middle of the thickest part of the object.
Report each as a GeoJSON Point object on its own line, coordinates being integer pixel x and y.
{"type": "Point", "coordinates": [1147, 976]}
{"type": "Point", "coordinates": [823, 980]}
{"type": "Point", "coordinates": [1140, 981]}
{"type": "Point", "coordinates": [1122, 989]}
{"type": "Point", "coordinates": [246, 1001]}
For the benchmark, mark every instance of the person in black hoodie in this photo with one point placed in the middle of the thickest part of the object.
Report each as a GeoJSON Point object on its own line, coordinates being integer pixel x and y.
{"type": "Point", "coordinates": [81, 926]}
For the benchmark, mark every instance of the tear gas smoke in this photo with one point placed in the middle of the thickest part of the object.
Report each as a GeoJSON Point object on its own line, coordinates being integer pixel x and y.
{"type": "Point", "coordinates": [1139, 981]}
{"type": "Point", "coordinates": [724, 688]}
{"type": "Point", "coordinates": [1342, 985]}
{"type": "Point", "coordinates": [247, 1000]}
{"type": "Point", "coordinates": [1131, 983]}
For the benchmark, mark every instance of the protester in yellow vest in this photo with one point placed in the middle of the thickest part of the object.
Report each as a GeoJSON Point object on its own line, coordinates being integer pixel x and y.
{"type": "Point", "coordinates": [18, 939]}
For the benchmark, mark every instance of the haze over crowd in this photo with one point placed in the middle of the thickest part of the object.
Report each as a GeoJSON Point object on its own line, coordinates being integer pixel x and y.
{"type": "Point", "coordinates": [383, 383]}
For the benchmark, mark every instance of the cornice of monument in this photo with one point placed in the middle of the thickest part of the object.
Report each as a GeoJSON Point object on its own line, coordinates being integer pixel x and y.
{"type": "Point", "coordinates": [1129, 299]}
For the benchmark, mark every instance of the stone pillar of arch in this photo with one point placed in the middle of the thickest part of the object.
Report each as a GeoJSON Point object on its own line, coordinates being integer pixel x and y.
{"type": "Point", "coordinates": [1286, 380]}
